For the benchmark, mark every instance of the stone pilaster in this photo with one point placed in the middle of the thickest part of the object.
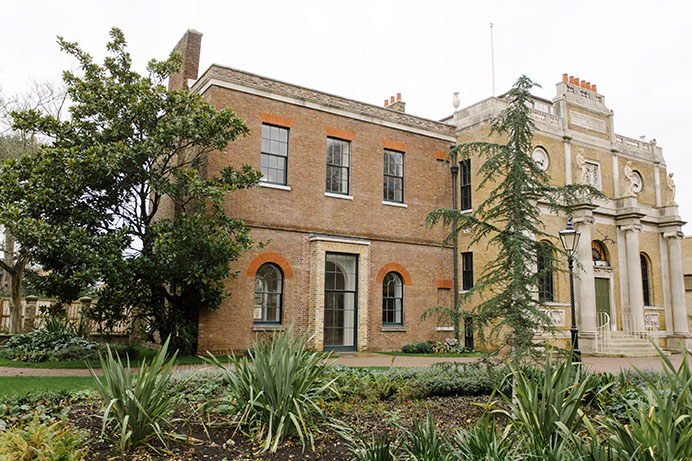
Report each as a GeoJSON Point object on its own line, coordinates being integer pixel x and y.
{"type": "Point", "coordinates": [677, 287]}
{"type": "Point", "coordinates": [584, 274]}
{"type": "Point", "coordinates": [30, 312]}
{"type": "Point", "coordinates": [634, 275]}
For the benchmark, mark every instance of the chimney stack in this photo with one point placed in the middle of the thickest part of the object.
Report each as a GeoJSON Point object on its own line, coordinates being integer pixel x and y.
{"type": "Point", "coordinates": [189, 48]}
{"type": "Point", "coordinates": [397, 105]}
{"type": "Point", "coordinates": [581, 84]}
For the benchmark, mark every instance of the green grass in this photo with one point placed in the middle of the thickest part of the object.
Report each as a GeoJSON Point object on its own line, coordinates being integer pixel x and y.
{"type": "Point", "coordinates": [441, 354]}
{"type": "Point", "coordinates": [19, 385]}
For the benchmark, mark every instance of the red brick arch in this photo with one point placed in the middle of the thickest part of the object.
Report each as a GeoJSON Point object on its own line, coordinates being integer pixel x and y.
{"type": "Point", "coordinates": [394, 267]}
{"type": "Point", "coordinates": [270, 257]}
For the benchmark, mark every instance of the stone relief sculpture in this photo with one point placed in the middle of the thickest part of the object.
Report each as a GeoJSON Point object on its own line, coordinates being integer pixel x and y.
{"type": "Point", "coordinates": [671, 187]}
{"type": "Point", "coordinates": [581, 165]}
{"type": "Point", "coordinates": [629, 177]}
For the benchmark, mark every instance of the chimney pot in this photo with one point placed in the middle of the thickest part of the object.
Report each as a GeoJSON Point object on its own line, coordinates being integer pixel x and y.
{"type": "Point", "coordinates": [588, 85]}
{"type": "Point", "coordinates": [571, 79]}
{"type": "Point", "coordinates": [576, 81]}
{"type": "Point", "coordinates": [583, 84]}
{"type": "Point", "coordinates": [386, 102]}
{"type": "Point", "coordinates": [593, 88]}
{"type": "Point", "coordinates": [564, 78]}
{"type": "Point", "coordinates": [391, 100]}
{"type": "Point", "coordinates": [398, 96]}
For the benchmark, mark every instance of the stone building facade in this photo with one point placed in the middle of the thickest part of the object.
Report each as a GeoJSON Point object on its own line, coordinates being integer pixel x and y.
{"type": "Point", "coordinates": [346, 190]}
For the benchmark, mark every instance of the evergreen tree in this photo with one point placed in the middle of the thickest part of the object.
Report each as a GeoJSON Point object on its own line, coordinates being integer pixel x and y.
{"type": "Point", "coordinates": [509, 222]}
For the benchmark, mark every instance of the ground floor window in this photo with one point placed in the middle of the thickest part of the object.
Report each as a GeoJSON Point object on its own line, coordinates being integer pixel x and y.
{"type": "Point", "coordinates": [392, 300]}
{"type": "Point", "coordinates": [268, 294]}
{"type": "Point", "coordinates": [340, 301]}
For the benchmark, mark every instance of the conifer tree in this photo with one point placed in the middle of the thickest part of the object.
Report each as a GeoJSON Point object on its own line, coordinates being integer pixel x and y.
{"type": "Point", "coordinates": [509, 222]}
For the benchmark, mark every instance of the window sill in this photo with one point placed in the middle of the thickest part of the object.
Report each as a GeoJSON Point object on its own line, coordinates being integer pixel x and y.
{"type": "Point", "coordinates": [463, 292]}
{"type": "Point", "coordinates": [341, 196]}
{"type": "Point", "coordinates": [444, 328]}
{"type": "Point", "coordinates": [467, 211]}
{"type": "Point", "coordinates": [270, 185]}
{"type": "Point", "coordinates": [267, 328]}
{"type": "Point", "coordinates": [400, 205]}
{"type": "Point", "coordinates": [388, 329]}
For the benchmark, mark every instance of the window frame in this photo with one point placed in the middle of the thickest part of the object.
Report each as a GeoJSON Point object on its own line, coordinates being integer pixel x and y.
{"type": "Point", "coordinates": [276, 155]}
{"type": "Point", "coordinates": [544, 269]}
{"type": "Point", "coordinates": [333, 165]}
{"type": "Point", "coordinates": [646, 279]}
{"type": "Point", "coordinates": [264, 307]}
{"type": "Point", "coordinates": [465, 192]}
{"type": "Point", "coordinates": [386, 175]}
{"type": "Point", "coordinates": [466, 270]}
{"type": "Point", "coordinates": [385, 298]}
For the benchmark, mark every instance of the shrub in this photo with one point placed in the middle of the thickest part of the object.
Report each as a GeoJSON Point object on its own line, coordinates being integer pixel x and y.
{"type": "Point", "coordinates": [484, 442]}
{"type": "Point", "coordinates": [33, 441]}
{"type": "Point", "coordinates": [376, 448]}
{"type": "Point", "coordinates": [418, 348]}
{"type": "Point", "coordinates": [44, 345]}
{"type": "Point", "coordinates": [279, 393]}
{"type": "Point", "coordinates": [139, 404]}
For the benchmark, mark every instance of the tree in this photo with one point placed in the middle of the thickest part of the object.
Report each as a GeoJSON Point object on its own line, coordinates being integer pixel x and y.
{"type": "Point", "coordinates": [13, 144]}
{"type": "Point", "coordinates": [122, 196]}
{"type": "Point", "coordinates": [509, 220]}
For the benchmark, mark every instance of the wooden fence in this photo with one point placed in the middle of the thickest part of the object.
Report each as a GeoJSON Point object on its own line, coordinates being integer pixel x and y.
{"type": "Point", "coordinates": [74, 312]}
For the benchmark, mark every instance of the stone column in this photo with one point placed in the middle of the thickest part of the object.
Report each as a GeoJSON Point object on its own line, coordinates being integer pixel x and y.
{"type": "Point", "coordinates": [634, 275]}
{"type": "Point", "coordinates": [677, 287]}
{"type": "Point", "coordinates": [30, 312]}
{"type": "Point", "coordinates": [586, 290]}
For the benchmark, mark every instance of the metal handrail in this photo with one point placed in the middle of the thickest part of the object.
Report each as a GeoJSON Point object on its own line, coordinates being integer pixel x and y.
{"type": "Point", "coordinates": [603, 338]}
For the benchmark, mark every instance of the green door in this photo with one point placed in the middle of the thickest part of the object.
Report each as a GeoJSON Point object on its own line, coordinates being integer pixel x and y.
{"type": "Point", "coordinates": [602, 295]}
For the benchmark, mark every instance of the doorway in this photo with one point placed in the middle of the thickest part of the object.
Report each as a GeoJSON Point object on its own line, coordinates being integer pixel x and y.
{"type": "Point", "coordinates": [340, 302]}
{"type": "Point", "coordinates": [602, 287]}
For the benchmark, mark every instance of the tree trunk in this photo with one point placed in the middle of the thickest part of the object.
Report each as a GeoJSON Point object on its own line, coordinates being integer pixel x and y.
{"type": "Point", "coordinates": [16, 297]}
{"type": "Point", "coordinates": [9, 261]}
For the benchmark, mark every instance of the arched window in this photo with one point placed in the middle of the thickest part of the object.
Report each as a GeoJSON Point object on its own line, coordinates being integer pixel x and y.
{"type": "Point", "coordinates": [599, 254]}
{"type": "Point", "coordinates": [544, 266]}
{"type": "Point", "coordinates": [392, 300]}
{"type": "Point", "coordinates": [646, 288]}
{"type": "Point", "coordinates": [268, 294]}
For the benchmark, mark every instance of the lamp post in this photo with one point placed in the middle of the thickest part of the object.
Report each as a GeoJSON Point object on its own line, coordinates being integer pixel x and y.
{"type": "Point", "coordinates": [570, 239]}
{"type": "Point", "coordinates": [454, 169]}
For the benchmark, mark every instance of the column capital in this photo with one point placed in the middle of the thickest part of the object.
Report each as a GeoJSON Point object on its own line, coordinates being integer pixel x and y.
{"type": "Point", "coordinates": [587, 220]}
{"type": "Point", "coordinates": [673, 235]}
{"type": "Point", "coordinates": [631, 227]}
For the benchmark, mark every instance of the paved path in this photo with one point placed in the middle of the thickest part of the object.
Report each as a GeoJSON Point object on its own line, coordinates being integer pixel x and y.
{"type": "Point", "coordinates": [372, 359]}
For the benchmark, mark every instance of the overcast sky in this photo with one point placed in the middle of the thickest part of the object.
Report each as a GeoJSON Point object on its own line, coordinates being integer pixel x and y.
{"type": "Point", "coordinates": [638, 53]}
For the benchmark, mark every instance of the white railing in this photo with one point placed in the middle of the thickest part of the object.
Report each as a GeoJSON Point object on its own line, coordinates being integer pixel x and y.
{"type": "Point", "coordinates": [603, 337]}
{"type": "Point", "coordinates": [639, 329]}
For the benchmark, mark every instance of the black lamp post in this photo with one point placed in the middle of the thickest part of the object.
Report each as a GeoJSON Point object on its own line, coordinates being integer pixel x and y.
{"type": "Point", "coordinates": [454, 169]}
{"type": "Point", "coordinates": [570, 240]}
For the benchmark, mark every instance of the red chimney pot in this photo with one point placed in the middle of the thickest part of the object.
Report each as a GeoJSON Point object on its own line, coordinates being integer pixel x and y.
{"type": "Point", "coordinates": [398, 96]}
{"type": "Point", "coordinates": [564, 78]}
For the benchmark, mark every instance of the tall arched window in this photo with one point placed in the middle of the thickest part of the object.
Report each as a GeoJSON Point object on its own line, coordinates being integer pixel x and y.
{"type": "Point", "coordinates": [392, 300]}
{"type": "Point", "coordinates": [599, 253]}
{"type": "Point", "coordinates": [646, 288]}
{"type": "Point", "coordinates": [268, 294]}
{"type": "Point", "coordinates": [544, 266]}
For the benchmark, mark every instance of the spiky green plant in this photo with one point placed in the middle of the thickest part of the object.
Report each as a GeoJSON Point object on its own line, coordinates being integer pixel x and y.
{"type": "Point", "coordinates": [544, 412]}
{"type": "Point", "coordinates": [422, 442]}
{"type": "Point", "coordinates": [139, 404]}
{"type": "Point", "coordinates": [485, 442]}
{"type": "Point", "coordinates": [376, 448]}
{"type": "Point", "coordinates": [277, 391]}
{"type": "Point", "coordinates": [659, 425]}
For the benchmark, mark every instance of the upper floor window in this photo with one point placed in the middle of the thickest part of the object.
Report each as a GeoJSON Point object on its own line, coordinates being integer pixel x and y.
{"type": "Point", "coordinates": [688, 282]}
{"type": "Point", "coordinates": [599, 254]}
{"type": "Point", "coordinates": [646, 277]}
{"type": "Point", "coordinates": [393, 176]}
{"type": "Point", "coordinates": [465, 180]}
{"type": "Point", "coordinates": [392, 300]}
{"type": "Point", "coordinates": [544, 266]}
{"type": "Point", "coordinates": [274, 156]}
{"type": "Point", "coordinates": [467, 270]}
{"type": "Point", "coordinates": [268, 294]}
{"type": "Point", "coordinates": [338, 164]}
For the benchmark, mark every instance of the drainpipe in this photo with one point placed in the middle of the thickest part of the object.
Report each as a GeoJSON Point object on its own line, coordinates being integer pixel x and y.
{"type": "Point", "coordinates": [454, 169]}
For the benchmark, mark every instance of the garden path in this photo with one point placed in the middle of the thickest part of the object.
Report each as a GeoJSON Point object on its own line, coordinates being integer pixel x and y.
{"type": "Point", "coordinates": [371, 359]}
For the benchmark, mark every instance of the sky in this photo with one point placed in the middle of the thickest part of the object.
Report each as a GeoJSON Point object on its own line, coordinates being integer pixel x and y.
{"type": "Point", "coordinates": [639, 53]}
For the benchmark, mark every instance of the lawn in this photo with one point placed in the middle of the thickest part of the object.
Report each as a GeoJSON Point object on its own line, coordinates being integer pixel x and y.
{"type": "Point", "coordinates": [18, 385]}
{"type": "Point", "coordinates": [433, 354]}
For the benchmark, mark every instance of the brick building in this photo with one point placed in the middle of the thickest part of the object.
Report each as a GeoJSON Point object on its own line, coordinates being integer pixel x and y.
{"type": "Point", "coordinates": [346, 189]}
